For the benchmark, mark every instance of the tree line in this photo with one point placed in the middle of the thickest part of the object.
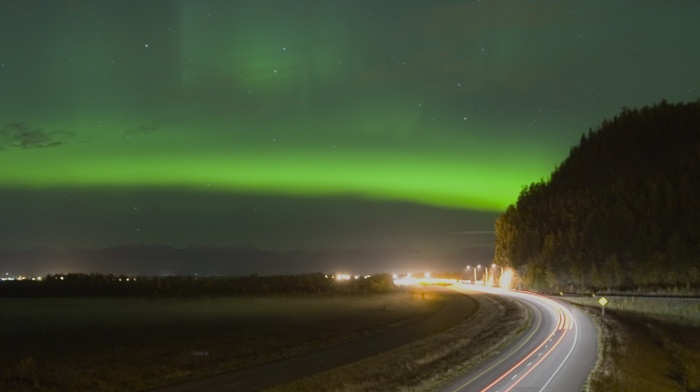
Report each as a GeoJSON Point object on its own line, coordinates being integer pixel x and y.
{"type": "Point", "coordinates": [622, 212]}
{"type": "Point", "coordinates": [106, 285]}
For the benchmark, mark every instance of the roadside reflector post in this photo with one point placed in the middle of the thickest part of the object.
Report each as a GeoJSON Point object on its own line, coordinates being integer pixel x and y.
{"type": "Point", "coordinates": [603, 301]}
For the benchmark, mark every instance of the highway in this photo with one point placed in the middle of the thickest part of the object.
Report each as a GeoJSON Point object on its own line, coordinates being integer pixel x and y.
{"type": "Point", "coordinates": [556, 352]}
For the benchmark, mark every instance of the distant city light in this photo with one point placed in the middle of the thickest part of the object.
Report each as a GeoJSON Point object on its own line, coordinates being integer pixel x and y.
{"type": "Point", "coordinates": [410, 280]}
{"type": "Point", "coordinates": [341, 277]}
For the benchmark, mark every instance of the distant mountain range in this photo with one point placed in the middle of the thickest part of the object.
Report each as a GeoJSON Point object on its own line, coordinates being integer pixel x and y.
{"type": "Point", "coordinates": [207, 261]}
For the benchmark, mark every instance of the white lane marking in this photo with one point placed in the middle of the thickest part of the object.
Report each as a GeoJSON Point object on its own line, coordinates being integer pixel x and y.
{"type": "Point", "coordinates": [514, 377]}
{"type": "Point", "coordinates": [528, 364]}
{"type": "Point", "coordinates": [565, 358]}
{"type": "Point", "coordinates": [513, 351]}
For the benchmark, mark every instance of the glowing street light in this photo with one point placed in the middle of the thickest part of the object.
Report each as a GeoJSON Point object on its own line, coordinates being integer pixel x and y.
{"type": "Point", "coordinates": [506, 279]}
{"type": "Point", "coordinates": [470, 267]}
{"type": "Point", "coordinates": [494, 266]}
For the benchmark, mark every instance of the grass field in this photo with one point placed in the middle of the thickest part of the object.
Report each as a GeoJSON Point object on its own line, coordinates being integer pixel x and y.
{"type": "Point", "coordinates": [79, 344]}
{"type": "Point", "coordinates": [430, 362]}
{"type": "Point", "coordinates": [646, 344]}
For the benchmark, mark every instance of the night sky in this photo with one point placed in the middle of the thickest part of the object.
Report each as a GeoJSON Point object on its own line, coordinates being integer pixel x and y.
{"type": "Point", "coordinates": [310, 124]}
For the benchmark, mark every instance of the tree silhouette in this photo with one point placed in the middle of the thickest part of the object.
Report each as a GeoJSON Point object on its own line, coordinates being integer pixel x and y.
{"type": "Point", "coordinates": [621, 212]}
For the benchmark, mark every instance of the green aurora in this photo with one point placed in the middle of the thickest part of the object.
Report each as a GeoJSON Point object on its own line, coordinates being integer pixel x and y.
{"type": "Point", "coordinates": [447, 106]}
{"type": "Point", "coordinates": [425, 175]}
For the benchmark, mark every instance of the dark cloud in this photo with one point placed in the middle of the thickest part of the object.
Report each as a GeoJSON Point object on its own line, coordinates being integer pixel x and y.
{"type": "Point", "coordinates": [19, 135]}
{"type": "Point", "coordinates": [158, 125]}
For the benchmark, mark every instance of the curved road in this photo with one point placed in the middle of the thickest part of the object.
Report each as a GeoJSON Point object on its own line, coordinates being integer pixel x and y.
{"type": "Point", "coordinates": [456, 308]}
{"type": "Point", "coordinates": [556, 353]}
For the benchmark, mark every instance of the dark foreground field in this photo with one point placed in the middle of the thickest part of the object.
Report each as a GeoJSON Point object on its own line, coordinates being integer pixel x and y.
{"type": "Point", "coordinates": [647, 345]}
{"type": "Point", "coordinates": [430, 363]}
{"type": "Point", "coordinates": [79, 344]}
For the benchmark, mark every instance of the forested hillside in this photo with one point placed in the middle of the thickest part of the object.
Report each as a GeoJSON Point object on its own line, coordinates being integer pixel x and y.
{"type": "Point", "coordinates": [622, 212]}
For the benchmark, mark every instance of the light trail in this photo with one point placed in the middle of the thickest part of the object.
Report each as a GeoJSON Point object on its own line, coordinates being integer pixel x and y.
{"type": "Point", "coordinates": [539, 322]}
{"type": "Point", "coordinates": [516, 366]}
{"type": "Point", "coordinates": [571, 350]}
{"type": "Point", "coordinates": [515, 375]}
{"type": "Point", "coordinates": [564, 324]}
{"type": "Point", "coordinates": [549, 351]}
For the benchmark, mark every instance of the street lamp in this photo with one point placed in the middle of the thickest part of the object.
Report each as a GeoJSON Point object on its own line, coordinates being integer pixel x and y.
{"type": "Point", "coordinates": [494, 265]}
{"type": "Point", "coordinates": [468, 268]}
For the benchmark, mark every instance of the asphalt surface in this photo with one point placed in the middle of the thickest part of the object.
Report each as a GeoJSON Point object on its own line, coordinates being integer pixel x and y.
{"type": "Point", "coordinates": [556, 352]}
{"type": "Point", "coordinates": [456, 308]}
